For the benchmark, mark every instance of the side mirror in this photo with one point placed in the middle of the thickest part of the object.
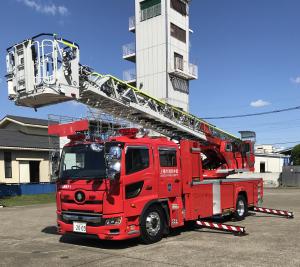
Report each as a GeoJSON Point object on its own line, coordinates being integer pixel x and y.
{"type": "Point", "coordinates": [113, 162]}
{"type": "Point", "coordinates": [54, 166]}
{"type": "Point", "coordinates": [115, 152]}
{"type": "Point", "coordinates": [54, 175]}
{"type": "Point", "coordinates": [113, 169]}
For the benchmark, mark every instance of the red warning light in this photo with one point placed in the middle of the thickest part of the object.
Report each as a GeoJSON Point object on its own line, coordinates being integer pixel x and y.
{"type": "Point", "coordinates": [76, 137]}
{"type": "Point", "coordinates": [129, 132]}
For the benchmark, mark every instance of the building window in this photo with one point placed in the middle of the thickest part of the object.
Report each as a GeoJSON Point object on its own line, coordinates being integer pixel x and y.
{"type": "Point", "coordinates": [179, 6]}
{"type": "Point", "coordinates": [262, 167]}
{"type": "Point", "coordinates": [179, 84]}
{"type": "Point", "coordinates": [150, 9]}
{"type": "Point", "coordinates": [167, 157]}
{"type": "Point", "coordinates": [178, 33]}
{"type": "Point", "coordinates": [178, 62]}
{"type": "Point", "coordinates": [137, 159]}
{"type": "Point", "coordinates": [7, 164]}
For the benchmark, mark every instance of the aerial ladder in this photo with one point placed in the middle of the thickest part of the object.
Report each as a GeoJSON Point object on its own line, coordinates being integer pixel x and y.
{"type": "Point", "coordinates": [46, 70]}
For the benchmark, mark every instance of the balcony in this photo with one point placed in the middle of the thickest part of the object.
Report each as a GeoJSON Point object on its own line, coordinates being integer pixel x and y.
{"type": "Point", "coordinates": [129, 76]}
{"type": "Point", "coordinates": [132, 24]}
{"type": "Point", "coordinates": [193, 71]}
{"type": "Point", "coordinates": [180, 71]}
{"type": "Point", "coordinates": [129, 52]}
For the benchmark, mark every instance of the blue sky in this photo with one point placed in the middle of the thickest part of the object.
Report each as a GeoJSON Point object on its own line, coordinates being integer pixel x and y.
{"type": "Point", "coordinates": [248, 53]}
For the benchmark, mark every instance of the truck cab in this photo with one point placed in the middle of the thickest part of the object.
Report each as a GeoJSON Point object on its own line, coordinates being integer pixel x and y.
{"type": "Point", "coordinates": [104, 187]}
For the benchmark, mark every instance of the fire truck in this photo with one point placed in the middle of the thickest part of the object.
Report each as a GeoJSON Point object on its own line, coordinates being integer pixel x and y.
{"type": "Point", "coordinates": [131, 184]}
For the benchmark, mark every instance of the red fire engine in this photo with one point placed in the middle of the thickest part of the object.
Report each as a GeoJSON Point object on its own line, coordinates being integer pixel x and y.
{"type": "Point", "coordinates": [129, 186]}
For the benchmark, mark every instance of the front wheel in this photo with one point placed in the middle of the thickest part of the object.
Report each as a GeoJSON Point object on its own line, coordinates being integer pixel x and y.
{"type": "Point", "coordinates": [152, 225]}
{"type": "Point", "coordinates": [241, 208]}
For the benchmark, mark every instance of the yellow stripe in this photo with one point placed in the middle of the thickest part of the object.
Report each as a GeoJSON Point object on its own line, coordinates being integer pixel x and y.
{"type": "Point", "coordinates": [67, 44]}
{"type": "Point", "coordinates": [164, 103]}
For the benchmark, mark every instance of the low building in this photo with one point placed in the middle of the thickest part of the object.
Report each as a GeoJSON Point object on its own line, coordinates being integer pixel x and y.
{"type": "Point", "coordinates": [269, 164]}
{"type": "Point", "coordinates": [24, 150]}
{"type": "Point", "coordinates": [269, 160]}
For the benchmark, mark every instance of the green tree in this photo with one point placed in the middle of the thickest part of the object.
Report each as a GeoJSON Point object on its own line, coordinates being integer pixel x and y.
{"type": "Point", "coordinates": [295, 155]}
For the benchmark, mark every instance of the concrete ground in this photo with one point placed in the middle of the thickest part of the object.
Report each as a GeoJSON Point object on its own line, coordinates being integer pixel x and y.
{"type": "Point", "coordinates": [28, 238]}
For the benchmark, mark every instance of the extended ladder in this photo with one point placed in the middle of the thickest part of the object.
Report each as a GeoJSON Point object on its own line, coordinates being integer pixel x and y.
{"type": "Point", "coordinates": [43, 71]}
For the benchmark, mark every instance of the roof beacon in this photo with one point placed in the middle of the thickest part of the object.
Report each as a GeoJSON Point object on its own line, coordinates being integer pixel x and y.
{"type": "Point", "coordinates": [129, 132]}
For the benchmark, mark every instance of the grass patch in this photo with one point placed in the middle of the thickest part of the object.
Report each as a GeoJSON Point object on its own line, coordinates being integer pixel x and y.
{"type": "Point", "coordinates": [27, 200]}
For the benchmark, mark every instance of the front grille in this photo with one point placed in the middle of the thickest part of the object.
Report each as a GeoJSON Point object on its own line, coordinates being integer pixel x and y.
{"type": "Point", "coordinates": [92, 219]}
{"type": "Point", "coordinates": [85, 202]}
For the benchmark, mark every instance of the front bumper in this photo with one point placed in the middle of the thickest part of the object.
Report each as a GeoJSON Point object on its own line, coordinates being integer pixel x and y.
{"type": "Point", "coordinates": [125, 230]}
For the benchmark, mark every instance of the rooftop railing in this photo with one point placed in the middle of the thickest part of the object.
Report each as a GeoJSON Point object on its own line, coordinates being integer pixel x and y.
{"type": "Point", "coordinates": [131, 23]}
{"type": "Point", "coordinates": [128, 49]}
{"type": "Point", "coordinates": [193, 70]}
{"type": "Point", "coordinates": [129, 75]}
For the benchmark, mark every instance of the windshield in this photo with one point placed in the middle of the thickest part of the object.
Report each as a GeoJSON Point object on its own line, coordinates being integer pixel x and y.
{"type": "Point", "coordinates": [83, 161]}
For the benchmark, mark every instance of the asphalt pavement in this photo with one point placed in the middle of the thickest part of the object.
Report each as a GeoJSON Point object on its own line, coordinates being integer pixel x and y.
{"type": "Point", "coordinates": [28, 238]}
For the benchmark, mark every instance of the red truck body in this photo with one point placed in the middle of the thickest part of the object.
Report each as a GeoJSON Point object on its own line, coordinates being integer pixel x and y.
{"type": "Point", "coordinates": [156, 177]}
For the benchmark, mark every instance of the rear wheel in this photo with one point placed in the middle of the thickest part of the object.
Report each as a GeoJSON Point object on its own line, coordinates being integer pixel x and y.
{"type": "Point", "coordinates": [241, 208]}
{"type": "Point", "coordinates": [152, 225]}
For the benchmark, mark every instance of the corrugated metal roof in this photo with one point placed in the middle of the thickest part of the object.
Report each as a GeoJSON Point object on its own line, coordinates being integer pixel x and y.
{"type": "Point", "coordinates": [13, 138]}
{"type": "Point", "coordinates": [27, 120]}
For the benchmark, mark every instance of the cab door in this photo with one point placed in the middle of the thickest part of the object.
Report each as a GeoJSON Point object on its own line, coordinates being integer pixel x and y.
{"type": "Point", "coordinates": [168, 170]}
{"type": "Point", "coordinates": [137, 178]}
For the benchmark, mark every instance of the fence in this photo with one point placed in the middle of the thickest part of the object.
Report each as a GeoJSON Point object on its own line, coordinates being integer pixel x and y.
{"type": "Point", "coordinates": [7, 190]}
{"type": "Point", "coordinates": [291, 176]}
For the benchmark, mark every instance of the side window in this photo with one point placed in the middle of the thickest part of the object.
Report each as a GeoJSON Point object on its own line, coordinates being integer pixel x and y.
{"type": "Point", "coordinates": [167, 158]}
{"type": "Point", "coordinates": [8, 164]}
{"type": "Point", "coordinates": [179, 6]}
{"type": "Point", "coordinates": [178, 33]}
{"type": "Point", "coordinates": [137, 159]}
{"type": "Point", "coordinates": [178, 61]}
{"type": "Point", "coordinates": [228, 147]}
{"type": "Point", "coordinates": [150, 9]}
{"type": "Point", "coordinates": [246, 147]}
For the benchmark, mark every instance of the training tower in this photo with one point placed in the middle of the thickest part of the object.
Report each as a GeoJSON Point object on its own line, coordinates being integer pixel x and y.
{"type": "Point", "coordinates": [161, 51]}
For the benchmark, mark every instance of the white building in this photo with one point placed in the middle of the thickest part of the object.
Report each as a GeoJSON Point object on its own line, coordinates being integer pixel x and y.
{"type": "Point", "coordinates": [161, 50]}
{"type": "Point", "coordinates": [268, 165]}
{"type": "Point", "coordinates": [268, 160]}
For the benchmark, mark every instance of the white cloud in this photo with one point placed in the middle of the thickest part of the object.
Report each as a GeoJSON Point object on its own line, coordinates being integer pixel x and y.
{"type": "Point", "coordinates": [48, 9]}
{"type": "Point", "coordinates": [296, 80]}
{"type": "Point", "coordinates": [259, 103]}
{"type": "Point", "coordinates": [62, 10]}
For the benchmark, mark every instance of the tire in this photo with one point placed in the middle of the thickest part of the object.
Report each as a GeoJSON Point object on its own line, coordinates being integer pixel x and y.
{"type": "Point", "coordinates": [241, 210]}
{"type": "Point", "coordinates": [152, 225]}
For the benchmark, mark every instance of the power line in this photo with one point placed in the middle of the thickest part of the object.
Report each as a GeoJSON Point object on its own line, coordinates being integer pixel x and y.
{"type": "Point", "coordinates": [253, 114]}
{"type": "Point", "coordinates": [285, 143]}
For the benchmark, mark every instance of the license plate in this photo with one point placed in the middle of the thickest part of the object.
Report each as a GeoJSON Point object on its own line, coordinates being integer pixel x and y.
{"type": "Point", "coordinates": [79, 227]}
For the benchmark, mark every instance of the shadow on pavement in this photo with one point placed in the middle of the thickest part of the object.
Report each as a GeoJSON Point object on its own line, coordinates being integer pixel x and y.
{"type": "Point", "coordinates": [95, 242]}
{"type": "Point", "coordinates": [52, 230]}
{"type": "Point", "coordinates": [91, 241]}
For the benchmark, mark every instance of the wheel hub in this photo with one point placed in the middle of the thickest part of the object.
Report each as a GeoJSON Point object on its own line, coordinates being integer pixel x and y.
{"type": "Point", "coordinates": [241, 208]}
{"type": "Point", "coordinates": [153, 223]}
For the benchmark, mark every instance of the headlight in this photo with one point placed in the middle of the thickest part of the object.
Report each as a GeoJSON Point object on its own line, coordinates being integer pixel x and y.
{"type": "Point", "coordinates": [113, 221]}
